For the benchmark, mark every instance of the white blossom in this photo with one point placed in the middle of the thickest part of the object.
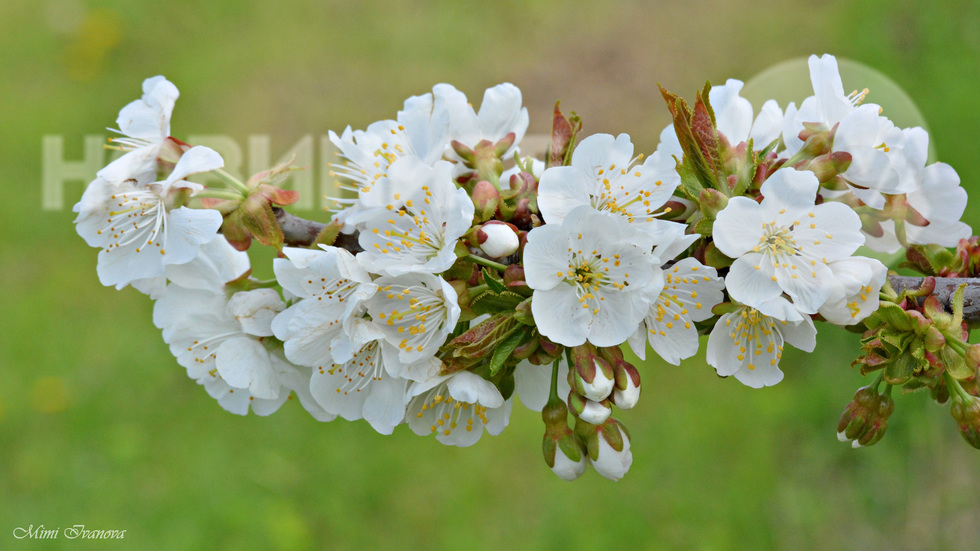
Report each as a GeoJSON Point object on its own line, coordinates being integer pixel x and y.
{"type": "Point", "coordinates": [690, 291]}
{"type": "Point", "coordinates": [415, 313]}
{"type": "Point", "coordinates": [418, 230]}
{"type": "Point", "coordinates": [500, 114]}
{"type": "Point", "coordinates": [854, 296]}
{"type": "Point", "coordinates": [749, 344]}
{"type": "Point", "coordinates": [456, 408]}
{"type": "Point", "coordinates": [145, 125]}
{"type": "Point", "coordinates": [332, 287]}
{"type": "Point", "coordinates": [138, 232]}
{"type": "Point", "coordinates": [421, 131]}
{"type": "Point", "coordinates": [604, 176]}
{"type": "Point", "coordinates": [784, 243]}
{"type": "Point", "coordinates": [592, 276]}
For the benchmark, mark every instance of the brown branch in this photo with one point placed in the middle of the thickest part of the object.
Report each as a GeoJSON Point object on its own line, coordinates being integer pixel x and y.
{"type": "Point", "coordinates": [945, 288]}
{"type": "Point", "coordinates": [300, 232]}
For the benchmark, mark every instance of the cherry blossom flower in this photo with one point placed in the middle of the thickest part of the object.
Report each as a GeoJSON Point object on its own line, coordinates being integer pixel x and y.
{"type": "Point", "coordinates": [332, 288]}
{"type": "Point", "coordinates": [749, 344]}
{"type": "Point", "coordinates": [372, 384]}
{"type": "Point", "coordinates": [415, 313]}
{"type": "Point", "coordinates": [784, 243]}
{"type": "Point", "coordinates": [145, 125]}
{"type": "Point", "coordinates": [456, 408]}
{"type": "Point", "coordinates": [690, 291]}
{"type": "Point", "coordinates": [138, 231]}
{"type": "Point", "coordinates": [854, 296]}
{"type": "Point", "coordinates": [592, 276]}
{"type": "Point", "coordinates": [604, 175]}
{"type": "Point", "coordinates": [220, 340]}
{"type": "Point", "coordinates": [421, 131]}
{"type": "Point", "coordinates": [417, 231]}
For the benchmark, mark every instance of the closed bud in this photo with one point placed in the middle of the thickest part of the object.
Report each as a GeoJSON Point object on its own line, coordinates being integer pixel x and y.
{"type": "Point", "coordinates": [611, 457]}
{"type": "Point", "coordinates": [967, 416]}
{"type": "Point", "coordinates": [486, 199]}
{"type": "Point", "coordinates": [627, 391]}
{"type": "Point", "coordinates": [587, 410]}
{"type": "Point", "coordinates": [592, 376]}
{"type": "Point", "coordinates": [497, 239]}
{"type": "Point", "coordinates": [865, 420]}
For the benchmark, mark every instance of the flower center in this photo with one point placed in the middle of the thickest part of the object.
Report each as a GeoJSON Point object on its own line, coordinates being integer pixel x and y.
{"type": "Point", "coordinates": [778, 241]}
{"type": "Point", "coordinates": [449, 413]}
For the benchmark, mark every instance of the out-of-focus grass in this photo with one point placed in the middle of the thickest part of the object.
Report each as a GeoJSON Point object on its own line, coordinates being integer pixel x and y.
{"type": "Point", "coordinates": [99, 426]}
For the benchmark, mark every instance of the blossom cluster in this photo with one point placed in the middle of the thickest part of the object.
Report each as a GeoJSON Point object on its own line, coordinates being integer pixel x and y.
{"type": "Point", "coordinates": [457, 271]}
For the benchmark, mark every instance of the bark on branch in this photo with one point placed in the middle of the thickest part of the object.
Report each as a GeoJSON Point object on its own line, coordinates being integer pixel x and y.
{"type": "Point", "coordinates": [299, 232]}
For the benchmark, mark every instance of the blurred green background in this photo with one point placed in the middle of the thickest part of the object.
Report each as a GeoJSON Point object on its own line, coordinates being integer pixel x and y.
{"type": "Point", "coordinates": [100, 426]}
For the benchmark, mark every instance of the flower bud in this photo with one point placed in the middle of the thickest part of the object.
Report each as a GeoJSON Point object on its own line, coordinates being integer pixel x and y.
{"type": "Point", "coordinates": [563, 452]}
{"type": "Point", "coordinates": [865, 419]}
{"type": "Point", "coordinates": [486, 199]}
{"type": "Point", "coordinates": [497, 239]}
{"type": "Point", "coordinates": [592, 376]}
{"type": "Point", "coordinates": [609, 450]}
{"type": "Point", "coordinates": [627, 391]}
{"type": "Point", "coordinates": [587, 410]}
{"type": "Point", "coordinates": [967, 416]}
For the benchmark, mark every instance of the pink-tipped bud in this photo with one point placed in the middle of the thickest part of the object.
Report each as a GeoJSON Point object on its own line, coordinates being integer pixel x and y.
{"type": "Point", "coordinates": [486, 199]}
{"type": "Point", "coordinates": [497, 239]}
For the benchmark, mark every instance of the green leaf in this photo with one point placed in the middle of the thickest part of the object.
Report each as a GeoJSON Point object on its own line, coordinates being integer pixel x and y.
{"type": "Point", "coordinates": [504, 350]}
{"type": "Point", "coordinates": [955, 364]}
{"type": "Point", "coordinates": [496, 285]}
{"type": "Point", "coordinates": [901, 370]}
{"type": "Point", "coordinates": [492, 303]}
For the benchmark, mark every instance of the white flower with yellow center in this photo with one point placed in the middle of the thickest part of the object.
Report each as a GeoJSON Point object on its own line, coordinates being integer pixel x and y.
{"type": "Point", "coordinates": [854, 296]}
{"type": "Point", "coordinates": [784, 243]}
{"type": "Point", "coordinates": [749, 344]}
{"type": "Point", "coordinates": [371, 385]}
{"type": "Point", "coordinates": [417, 232]}
{"type": "Point", "coordinates": [415, 313]}
{"type": "Point", "coordinates": [138, 232]}
{"type": "Point", "coordinates": [456, 408]}
{"type": "Point", "coordinates": [420, 132]}
{"type": "Point", "coordinates": [145, 125]}
{"type": "Point", "coordinates": [332, 286]}
{"type": "Point", "coordinates": [604, 175]}
{"type": "Point", "coordinates": [690, 291]}
{"type": "Point", "coordinates": [593, 278]}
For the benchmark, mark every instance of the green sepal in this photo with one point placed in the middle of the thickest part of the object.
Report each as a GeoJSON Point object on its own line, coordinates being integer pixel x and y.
{"type": "Point", "coordinates": [495, 285]}
{"type": "Point", "coordinates": [492, 303]}
{"type": "Point", "coordinates": [955, 365]}
{"type": "Point", "coordinates": [504, 350]}
{"type": "Point", "coordinates": [900, 370]}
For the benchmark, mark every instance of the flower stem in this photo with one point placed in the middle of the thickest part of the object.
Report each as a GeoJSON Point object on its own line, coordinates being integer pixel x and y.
{"type": "Point", "coordinates": [485, 262]}
{"type": "Point", "coordinates": [218, 194]}
{"type": "Point", "coordinates": [230, 180]}
{"type": "Point", "coordinates": [553, 394]}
